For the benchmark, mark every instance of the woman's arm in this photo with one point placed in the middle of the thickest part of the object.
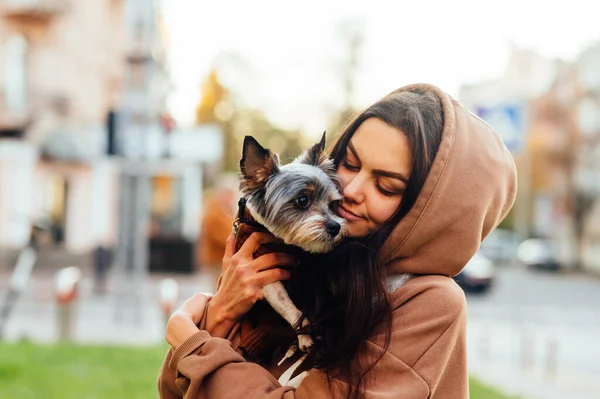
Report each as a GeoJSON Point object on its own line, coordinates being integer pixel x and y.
{"type": "Point", "coordinates": [184, 323]}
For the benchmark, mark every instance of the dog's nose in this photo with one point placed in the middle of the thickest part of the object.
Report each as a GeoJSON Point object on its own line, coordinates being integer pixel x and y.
{"type": "Point", "coordinates": [333, 228]}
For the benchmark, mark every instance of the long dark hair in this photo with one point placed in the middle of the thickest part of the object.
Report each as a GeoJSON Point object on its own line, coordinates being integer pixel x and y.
{"type": "Point", "coordinates": [347, 295]}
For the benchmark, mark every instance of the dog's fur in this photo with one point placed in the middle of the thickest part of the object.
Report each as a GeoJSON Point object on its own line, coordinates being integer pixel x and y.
{"type": "Point", "coordinates": [295, 202]}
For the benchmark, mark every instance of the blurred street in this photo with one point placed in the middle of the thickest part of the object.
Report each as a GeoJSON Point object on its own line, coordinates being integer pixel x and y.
{"type": "Point", "coordinates": [536, 334]}
{"type": "Point", "coordinates": [99, 319]}
{"type": "Point", "coordinates": [524, 309]}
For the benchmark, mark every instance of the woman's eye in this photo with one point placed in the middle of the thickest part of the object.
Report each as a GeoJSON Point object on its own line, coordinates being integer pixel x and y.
{"type": "Point", "coordinates": [348, 166]}
{"type": "Point", "coordinates": [386, 192]}
{"type": "Point", "coordinates": [303, 201]}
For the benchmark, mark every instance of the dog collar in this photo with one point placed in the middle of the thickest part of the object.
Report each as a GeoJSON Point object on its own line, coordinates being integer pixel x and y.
{"type": "Point", "coordinates": [244, 217]}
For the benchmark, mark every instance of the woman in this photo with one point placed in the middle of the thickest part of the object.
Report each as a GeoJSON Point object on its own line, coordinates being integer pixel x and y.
{"type": "Point", "coordinates": [424, 181]}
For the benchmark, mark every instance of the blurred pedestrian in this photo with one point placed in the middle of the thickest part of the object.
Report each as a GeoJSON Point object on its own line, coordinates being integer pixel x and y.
{"type": "Point", "coordinates": [217, 222]}
{"type": "Point", "coordinates": [101, 257]}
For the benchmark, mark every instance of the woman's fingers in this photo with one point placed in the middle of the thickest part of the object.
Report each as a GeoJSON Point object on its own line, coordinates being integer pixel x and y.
{"type": "Point", "coordinates": [271, 260]}
{"type": "Point", "coordinates": [230, 245]}
{"type": "Point", "coordinates": [270, 276]}
{"type": "Point", "coordinates": [243, 278]}
{"type": "Point", "coordinates": [229, 251]}
{"type": "Point", "coordinates": [255, 240]}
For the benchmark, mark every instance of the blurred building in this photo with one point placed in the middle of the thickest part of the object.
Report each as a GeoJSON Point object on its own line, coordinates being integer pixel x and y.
{"type": "Point", "coordinates": [585, 116]}
{"type": "Point", "coordinates": [61, 71]}
{"type": "Point", "coordinates": [73, 73]}
{"type": "Point", "coordinates": [548, 113]}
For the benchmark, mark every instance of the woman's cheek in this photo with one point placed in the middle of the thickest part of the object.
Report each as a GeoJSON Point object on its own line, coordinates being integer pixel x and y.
{"type": "Point", "coordinates": [342, 176]}
{"type": "Point", "coordinates": [386, 209]}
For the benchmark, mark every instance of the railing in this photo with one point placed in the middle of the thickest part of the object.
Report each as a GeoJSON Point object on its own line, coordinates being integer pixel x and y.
{"type": "Point", "coordinates": [16, 117]}
{"type": "Point", "coordinates": [34, 101]}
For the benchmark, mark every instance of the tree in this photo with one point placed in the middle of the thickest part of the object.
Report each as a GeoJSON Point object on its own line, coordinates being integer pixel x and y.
{"type": "Point", "coordinates": [218, 105]}
{"type": "Point", "coordinates": [213, 94]}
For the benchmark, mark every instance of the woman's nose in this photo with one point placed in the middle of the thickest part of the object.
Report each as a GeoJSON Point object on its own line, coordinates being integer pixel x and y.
{"type": "Point", "coordinates": [353, 190]}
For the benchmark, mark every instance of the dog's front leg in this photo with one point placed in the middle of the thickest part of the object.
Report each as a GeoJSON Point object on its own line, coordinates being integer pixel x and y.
{"type": "Point", "coordinates": [279, 299]}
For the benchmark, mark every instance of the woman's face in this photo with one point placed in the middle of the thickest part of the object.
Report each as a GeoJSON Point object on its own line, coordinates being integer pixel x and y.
{"type": "Point", "coordinates": [374, 174]}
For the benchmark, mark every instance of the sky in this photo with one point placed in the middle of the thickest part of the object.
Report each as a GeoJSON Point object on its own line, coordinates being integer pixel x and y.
{"type": "Point", "coordinates": [285, 58]}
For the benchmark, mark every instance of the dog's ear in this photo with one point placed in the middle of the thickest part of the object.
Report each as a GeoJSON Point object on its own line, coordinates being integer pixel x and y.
{"type": "Point", "coordinates": [315, 156]}
{"type": "Point", "coordinates": [257, 163]}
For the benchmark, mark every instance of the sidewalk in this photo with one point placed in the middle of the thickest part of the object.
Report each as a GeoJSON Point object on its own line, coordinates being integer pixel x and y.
{"type": "Point", "coordinates": [496, 357]}
{"type": "Point", "coordinates": [97, 316]}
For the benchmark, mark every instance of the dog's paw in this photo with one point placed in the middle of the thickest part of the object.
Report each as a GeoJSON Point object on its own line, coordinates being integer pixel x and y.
{"type": "Point", "coordinates": [304, 322]}
{"type": "Point", "coordinates": [305, 342]}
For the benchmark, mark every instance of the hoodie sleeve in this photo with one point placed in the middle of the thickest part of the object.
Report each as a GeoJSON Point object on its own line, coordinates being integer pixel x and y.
{"type": "Point", "coordinates": [426, 358]}
{"type": "Point", "coordinates": [167, 386]}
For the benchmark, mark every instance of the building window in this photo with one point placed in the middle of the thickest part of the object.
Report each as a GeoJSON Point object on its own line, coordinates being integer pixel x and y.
{"type": "Point", "coordinates": [15, 73]}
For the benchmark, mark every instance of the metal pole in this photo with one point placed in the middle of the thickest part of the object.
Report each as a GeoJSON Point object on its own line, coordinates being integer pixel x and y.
{"type": "Point", "coordinates": [140, 244]}
{"type": "Point", "coordinates": [527, 351]}
{"type": "Point", "coordinates": [123, 252]}
{"type": "Point", "coordinates": [551, 357]}
{"type": "Point", "coordinates": [485, 343]}
{"type": "Point", "coordinates": [132, 257]}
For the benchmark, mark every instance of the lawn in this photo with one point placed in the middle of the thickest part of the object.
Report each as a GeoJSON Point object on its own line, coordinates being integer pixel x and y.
{"type": "Point", "coordinates": [29, 371]}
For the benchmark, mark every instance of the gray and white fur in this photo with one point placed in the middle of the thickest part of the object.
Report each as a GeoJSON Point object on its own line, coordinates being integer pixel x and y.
{"type": "Point", "coordinates": [295, 202]}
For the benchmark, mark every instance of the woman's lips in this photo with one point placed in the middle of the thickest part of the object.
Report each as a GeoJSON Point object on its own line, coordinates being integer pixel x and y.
{"type": "Point", "coordinates": [346, 214]}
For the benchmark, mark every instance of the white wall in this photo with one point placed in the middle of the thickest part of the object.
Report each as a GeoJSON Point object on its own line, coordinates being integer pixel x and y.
{"type": "Point", "coordinates": [91, 207]}
{"type": "Point", "coordinates": [17, 170]}
{"type": "Point", "coordinates": [104, 202]}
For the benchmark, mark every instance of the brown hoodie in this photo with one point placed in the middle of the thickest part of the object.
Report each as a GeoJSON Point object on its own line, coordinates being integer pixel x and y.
{"type": "Point", "coordinates": [470, 188]}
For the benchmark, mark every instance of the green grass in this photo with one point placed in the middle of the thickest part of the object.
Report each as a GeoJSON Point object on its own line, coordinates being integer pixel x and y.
{"type": "Point", "coordinates": [30, 371]}
{"type": "Point", "coordinates": [479, 390]}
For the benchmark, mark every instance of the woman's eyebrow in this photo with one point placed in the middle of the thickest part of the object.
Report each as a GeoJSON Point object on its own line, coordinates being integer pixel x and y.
{"type": "Point", "coordinates": [394, 175]}
{"type": "Point", "coordinates": [380, 172]}
{"type": "Point", "coordinates": [353, 150]}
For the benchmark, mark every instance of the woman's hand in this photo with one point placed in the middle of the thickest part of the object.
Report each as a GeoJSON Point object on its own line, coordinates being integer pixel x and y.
{"type": "Point", "coordinates": [183, 323]}
{"type": "Point", "coordinates": [242, 280]}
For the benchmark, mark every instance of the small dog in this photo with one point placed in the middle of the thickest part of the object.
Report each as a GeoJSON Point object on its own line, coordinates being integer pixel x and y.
{"type": "Point", "coordinates": [295, 202]}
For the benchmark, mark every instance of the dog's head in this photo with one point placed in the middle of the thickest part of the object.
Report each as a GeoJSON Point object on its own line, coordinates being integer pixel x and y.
{"type": "Point", "coordinates": [296, 201]}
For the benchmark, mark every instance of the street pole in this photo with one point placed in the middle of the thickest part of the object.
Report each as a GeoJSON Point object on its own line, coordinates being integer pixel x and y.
{"type": "Point", "coordinates": [134, 181]}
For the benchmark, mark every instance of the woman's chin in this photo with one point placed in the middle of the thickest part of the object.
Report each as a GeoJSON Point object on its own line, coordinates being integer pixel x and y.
{"type": "Point", "coordinates": [355, 231]}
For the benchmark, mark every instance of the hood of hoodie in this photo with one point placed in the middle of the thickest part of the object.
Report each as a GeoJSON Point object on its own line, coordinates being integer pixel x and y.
{"type": "Point", "coordinates": [470, 188]}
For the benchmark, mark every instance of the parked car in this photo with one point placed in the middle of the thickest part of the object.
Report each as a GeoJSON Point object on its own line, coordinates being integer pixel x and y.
{"type": "Point", "coordinates": [500, 246]}
{"type": "Point", "coordinates": [478, 274]}
{"type": "Point", "coordinates": [538, 253]}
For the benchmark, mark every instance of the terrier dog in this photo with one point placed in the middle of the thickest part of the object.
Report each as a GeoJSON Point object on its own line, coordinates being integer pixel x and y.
{"type": "Point", "coordinates": [294, 202]}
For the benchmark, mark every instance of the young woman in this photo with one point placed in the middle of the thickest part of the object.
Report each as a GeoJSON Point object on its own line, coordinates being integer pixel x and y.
{"type": "Point", "coordinates": [424, 181]}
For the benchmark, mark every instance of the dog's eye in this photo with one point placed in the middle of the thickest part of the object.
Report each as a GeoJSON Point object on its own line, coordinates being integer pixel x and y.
{"type": "Point", "coordinates": [303, 201]}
